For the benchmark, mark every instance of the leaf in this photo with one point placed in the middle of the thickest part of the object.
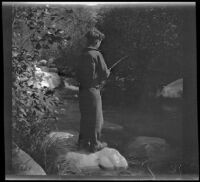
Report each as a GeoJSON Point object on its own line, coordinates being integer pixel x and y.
{"type": "Point", "coordinates": [52, 18]}
{"type": "Point", "coordinates": [23, 111]}
{"type": "Point", "coordinates": [68, 38]}
{"type": "Point", "coordinates": [38, 46]}
{"type": "Point", "coordinates": [46, 46]}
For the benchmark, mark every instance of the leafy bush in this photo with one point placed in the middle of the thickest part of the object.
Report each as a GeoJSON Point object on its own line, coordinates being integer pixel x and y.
{"type": "Point", "coordinates": [151, 37]}
{"type": "Point", "coordinates": [33, 111]}
{"type": "Point", "coordinates": [56, 31]}
{"type": "Point", "coordinates": [42, 32]}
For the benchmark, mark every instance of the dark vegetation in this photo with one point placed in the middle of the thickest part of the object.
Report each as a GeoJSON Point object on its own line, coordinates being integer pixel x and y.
{"type": "Point", "coordinates": [41, 33]}
{"type": "Point", "coordinates": [151, 37]}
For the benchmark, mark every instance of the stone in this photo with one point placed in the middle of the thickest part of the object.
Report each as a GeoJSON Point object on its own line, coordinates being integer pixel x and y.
{"type": "Point", "coordinates": [43, 62]}
{"type": "Point", "coordinates": [112, 126]}
{"type": "Point", "coordinates": [63, 156]}
{"type": "Point", "coordinates": [49, 79]}
{"type": "Point", "coordinates": [23, 164]}
{"type": "Point", "coordinates": [173, 90]}
{"type": "Point", "coordinates": [152, 151]}
{"type": "Point", "coordinates": [107, 159]}
{"type": "Point", "coordinates": [111, 159]}
{"type": "Point", "coordinates": [148, 147]}
{"type": "Point", "coordinates": [83, 160]}
{"type": "Point", "coordinates": [70, 86]}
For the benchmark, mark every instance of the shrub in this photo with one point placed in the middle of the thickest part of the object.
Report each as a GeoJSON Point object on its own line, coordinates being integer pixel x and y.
{"type": "Point", "coordinates": [42, 32]}
{"type": "Point", "coordinates": [152, 37]}
{"type": "Point", "coordinates": [32, 110]}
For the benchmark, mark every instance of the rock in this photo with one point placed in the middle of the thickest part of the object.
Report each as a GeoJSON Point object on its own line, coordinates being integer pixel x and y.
{"type": "Point", "coordinates": [71, 90]}
{"type": "Point", "coordinates": [23, 164]}
{"type": "Point", "coordinates": [155, 151]}
{"type": "Point", "coordinates": [107, 158]}
{"type": "Point", "coordinates": [150, 148]}
{"type": "Point", "coordinates": [111, 159]}
{"type": "Point", "coordinates": [63, 157]}
{"type": "Point", "coordinates": [112, 126]}
{"type": "Point", "coordinates": [49, 79]}
{"type": "Point", "coordinates": [70, 86]}
{"type": "Point", "coordinates": [42, 62]}
{"type": "Point", "coordinates": [173, 90]}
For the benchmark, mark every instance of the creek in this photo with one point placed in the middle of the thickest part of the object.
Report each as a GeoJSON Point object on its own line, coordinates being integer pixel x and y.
{"type": "Point", "coordinates": [123, 123]}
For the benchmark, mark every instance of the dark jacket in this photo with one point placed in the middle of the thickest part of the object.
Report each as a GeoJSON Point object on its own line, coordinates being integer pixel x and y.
{"type": "Point", "coordinates": [91, 70]}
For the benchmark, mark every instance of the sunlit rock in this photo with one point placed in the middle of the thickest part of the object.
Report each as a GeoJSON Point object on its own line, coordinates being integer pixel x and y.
{"type": "Point", "coordinates": [42, 62]}
{"type": "Point", "coordinates": [45, 79]}
{"type": "Point", "coordinates": [111, 159]}
{"type": "Point", "coordinates": [63, 157]}
{"type": "Point", "coordinates": [23, 164]}
{"type": "Point", "coordinates": [69, 85]}
{"type": "Point", "coordinates": [112, 126]}
{"type": "Point", "coordinates": [107, 158]}
{"type": "Point", "coordinates": [172, 90]}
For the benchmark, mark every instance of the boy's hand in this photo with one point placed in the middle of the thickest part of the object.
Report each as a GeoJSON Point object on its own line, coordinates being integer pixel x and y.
{"type": "Point", "coordinates": [112, 70]}
{"type": "Point", "coordinates": [107, 73]}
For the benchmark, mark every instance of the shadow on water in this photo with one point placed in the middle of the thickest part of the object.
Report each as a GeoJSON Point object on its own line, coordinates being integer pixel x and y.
{"type": "Point", "coordinates": [123, 123]}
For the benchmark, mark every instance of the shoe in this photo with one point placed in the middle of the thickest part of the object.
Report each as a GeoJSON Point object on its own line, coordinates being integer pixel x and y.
{"type": "Point", "coordinates": [103, 145]}
{"type": "Point", "coordinates": [98, 147]}
{"type": "Point", "coordinates": [83, 146]}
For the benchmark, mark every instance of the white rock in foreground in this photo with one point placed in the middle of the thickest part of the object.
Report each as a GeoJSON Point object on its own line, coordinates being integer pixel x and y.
{"type": "Point", "coordinates": [106, 158]}
{"type": "Point", "coordinates": [64, 157]}
{"type": "Point", "coordinates": [111, 159]}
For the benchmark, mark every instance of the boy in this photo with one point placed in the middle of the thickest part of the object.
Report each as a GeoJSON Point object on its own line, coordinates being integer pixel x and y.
{"type": "Point", "coordinates": [91, 71]}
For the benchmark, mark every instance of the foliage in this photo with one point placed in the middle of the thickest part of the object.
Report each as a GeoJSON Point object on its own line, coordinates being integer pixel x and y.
{"type": "Point", "coordinates": [56, 31]}
{"type": "Point", "coordinates": [42, 32]}
{"type": "Point", "coordinates": [32, 110]}
{"type": "Point", "coordinates": [151, 37]}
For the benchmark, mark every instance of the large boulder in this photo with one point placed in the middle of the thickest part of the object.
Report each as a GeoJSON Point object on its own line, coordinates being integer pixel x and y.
{"type": "Point", "coordinates": [153, 151]}
{"type": "Point", "coordinates": [143, 146]}
{"type": "Point", "coordinates": [112, 126]}
{"type": "Point", "coordinates": [80, 161]}
{"type": "Point", "coordinates": [63, 156]}
{"type": "Point", "coordinates": [23, 164]}
{"type": "Point", "coordinates": [173, 90]}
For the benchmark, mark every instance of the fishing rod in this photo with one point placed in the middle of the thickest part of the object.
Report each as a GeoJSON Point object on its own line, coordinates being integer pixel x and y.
{"type": "Point", "coordinates": [116, 63]}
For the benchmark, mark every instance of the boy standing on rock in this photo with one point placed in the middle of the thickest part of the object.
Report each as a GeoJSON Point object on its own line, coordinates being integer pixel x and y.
{"type": "Point", "coordinates": [91, 71]}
